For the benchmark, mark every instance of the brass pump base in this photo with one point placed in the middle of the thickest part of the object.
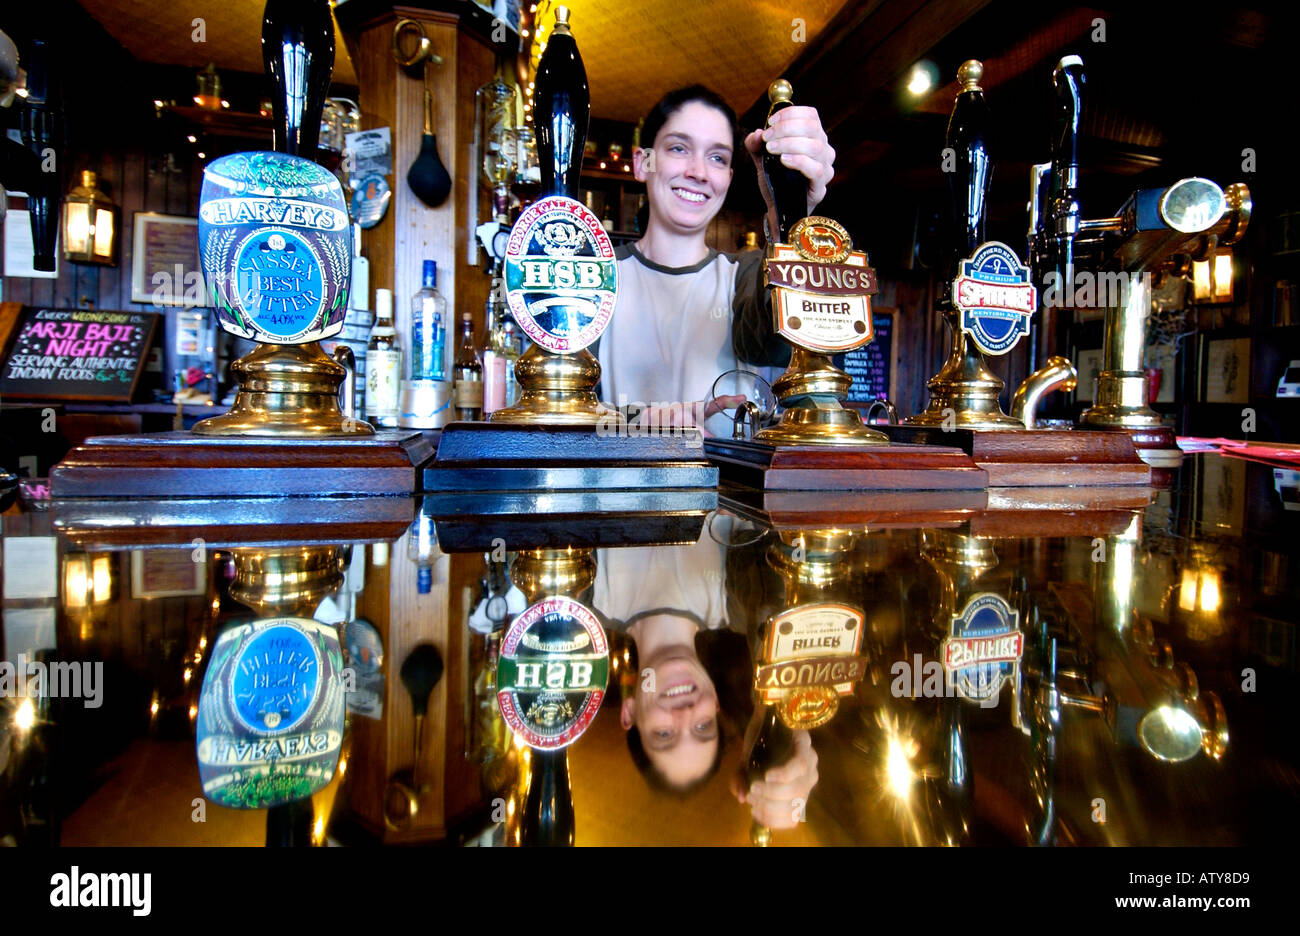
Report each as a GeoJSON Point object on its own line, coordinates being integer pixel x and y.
{"type": "Point", "coordinates": [286, 391]}
{"type": "Point", "coordinates": [1120, 397]}
{"type": "Point", "coordinates": [555, 389]}
{"type": "Point", "coordinates": [811, 391]}
{"type": "Point", "coordinates": [964, 394]}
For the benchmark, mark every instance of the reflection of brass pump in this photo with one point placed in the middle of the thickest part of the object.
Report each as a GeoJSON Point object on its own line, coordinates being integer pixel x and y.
{"type": "Point", "coordinates": [1145, 696]}
{"type": "Point", "coordinates": [540, 810]}
{"type": "Point", "coordinates": [1131, 678]}
{"type": "Point", "coordinates": [290, 580]}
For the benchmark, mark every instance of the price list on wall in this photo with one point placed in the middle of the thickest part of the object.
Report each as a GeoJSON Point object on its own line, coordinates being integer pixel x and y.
{"type": "Point", "coordinates": [869, 366]}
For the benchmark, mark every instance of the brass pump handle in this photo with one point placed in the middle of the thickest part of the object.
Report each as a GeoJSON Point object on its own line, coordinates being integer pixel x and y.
{"type": "Point", "coordinates": [967, 137]}
{"type": "Point", "coordinates": [788, 186]}
{"type": "Point", "coordinates": [1063, 213]}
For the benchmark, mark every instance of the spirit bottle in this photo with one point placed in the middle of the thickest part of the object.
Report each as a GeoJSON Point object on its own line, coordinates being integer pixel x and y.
{"type": "Point", "coordinates": [469, 374]}
{"type": "Point", "coordinates": [383, 365]}
{"type": "Point", "coordinates": [429, 328]}
{"type": "Point", "coordinates": [498, 368]}
{"type": "Point", "coordinates": [513, 344]}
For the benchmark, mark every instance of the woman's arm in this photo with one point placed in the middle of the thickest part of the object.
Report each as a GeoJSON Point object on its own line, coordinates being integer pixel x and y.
{"type": "Point", "coordinates": [753, 339]}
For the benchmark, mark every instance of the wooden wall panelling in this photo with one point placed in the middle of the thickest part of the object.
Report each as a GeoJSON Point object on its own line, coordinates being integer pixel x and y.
{"type": "Point", "coordinates": [476, 63]}
{"type": "Point", "coordinates": [138, 180]}
{"type": "Point", "coordinates": [135, 179]}
{"type": "Point", "coordinates": [463, 779]}
{"type": "Point", "coordinates": [425, 233]}
{"type": "Point", "coordinates": [412, 232]}
{"type": "Point", "coordinates": [404, 618]}
{"type": "Point", "coordinates": [368, 766]}
{"type": "Point", "coordinates": [416, 619]}
{"type": "Point", "coordinates": [377, 75]}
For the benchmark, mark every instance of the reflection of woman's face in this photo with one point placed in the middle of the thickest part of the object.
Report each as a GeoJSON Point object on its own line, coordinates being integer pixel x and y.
{"type": "Point", "coordinates": [675, 708]}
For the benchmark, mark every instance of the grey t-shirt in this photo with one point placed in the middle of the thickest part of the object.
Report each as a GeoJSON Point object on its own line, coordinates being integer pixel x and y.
{"type": "Point", "coordinates": [675, 329]}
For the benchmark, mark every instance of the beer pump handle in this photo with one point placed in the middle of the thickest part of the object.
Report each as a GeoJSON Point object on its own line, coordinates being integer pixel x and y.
{"type": "Point", "coordinates": [547, 818]}
{"type": "Point", "coordinates": [561, 110]}
{"type": "Point", "coordinates": [973, 172]}
{"type": "Point", "coordinates": [789, 187]}
{"type": "Point", "coordinates": [1063, 211]}
{"type": "Point", "coordinates": [298, 52]}
{"type": "Point", "coordinates": [41, 121]}
{"type": "Point", "coordinates": [773, 746]}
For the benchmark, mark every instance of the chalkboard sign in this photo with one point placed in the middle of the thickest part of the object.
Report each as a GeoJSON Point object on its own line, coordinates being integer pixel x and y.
{"type": "Point", "coordinates": [869, 366]}
{"type": "Point", "coordinates": [77, 354]}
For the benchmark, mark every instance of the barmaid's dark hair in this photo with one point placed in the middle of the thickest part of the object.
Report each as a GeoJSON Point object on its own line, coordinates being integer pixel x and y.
{"type": "Point", "coordinates": [674, 101]}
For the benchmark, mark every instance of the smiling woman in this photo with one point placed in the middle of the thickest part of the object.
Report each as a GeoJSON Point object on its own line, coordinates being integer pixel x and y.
{"type": "Point", "coordinates": [687, 313]}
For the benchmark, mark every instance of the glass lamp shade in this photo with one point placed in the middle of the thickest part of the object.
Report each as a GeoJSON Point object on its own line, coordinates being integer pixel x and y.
{"type": "Point", "coordinates": [1212, 279]}
{"type": "Point", "coordinates": [90, 228]}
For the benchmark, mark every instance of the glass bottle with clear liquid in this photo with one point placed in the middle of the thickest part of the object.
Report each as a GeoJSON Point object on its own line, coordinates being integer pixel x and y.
{"type": "Point", "coordinates": [428, 352]}
{"type": "Point", "coordinates": [510, 342]}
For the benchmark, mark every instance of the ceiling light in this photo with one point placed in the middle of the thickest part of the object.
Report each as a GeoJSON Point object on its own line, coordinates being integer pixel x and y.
{"type": "Point", "coordinates": [922, 78]}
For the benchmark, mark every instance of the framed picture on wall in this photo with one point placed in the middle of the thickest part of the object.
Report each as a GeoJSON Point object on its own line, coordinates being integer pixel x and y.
{"type": "Point", "coordinates": [166, 573]}
{"type": "Point", "coordinates": [1088, 364]}
{"type": "Point", "coordinates": [165, 268]}
{"type": "Point", "coordinates": [1227, 371]}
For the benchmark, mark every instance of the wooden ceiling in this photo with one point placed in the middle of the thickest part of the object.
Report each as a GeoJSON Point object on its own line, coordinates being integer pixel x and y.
{"type": "Point", "coordinates": [163, 33]}
{"type": "Point", "coordinates": [635, 52]}
{"type": "Point", "coordinates": [1170, 91]}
